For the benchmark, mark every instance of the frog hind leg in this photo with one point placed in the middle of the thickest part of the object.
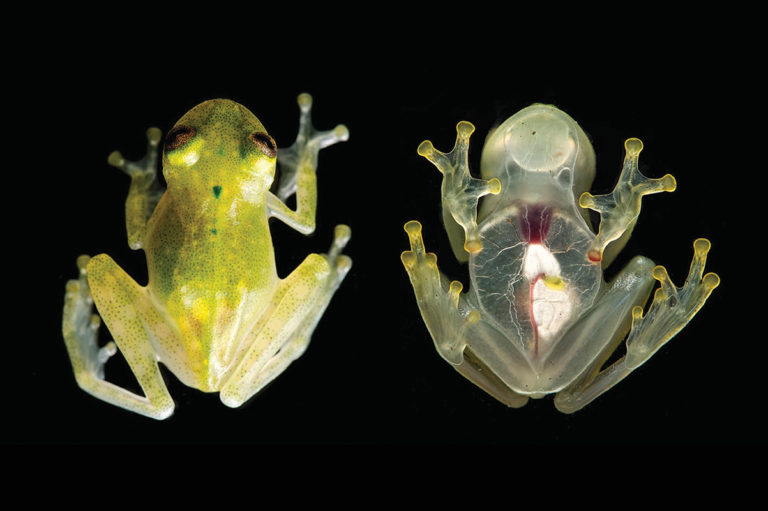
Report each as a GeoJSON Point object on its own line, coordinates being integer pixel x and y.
{"type": "Point", "coordinates": [672, 308]}
{"type": "Point", "coordinates": [284, 335]}
{"type": "Point", "coordinates": [450, 319]}
{"type": "Point", "coordinates": [131, 319]}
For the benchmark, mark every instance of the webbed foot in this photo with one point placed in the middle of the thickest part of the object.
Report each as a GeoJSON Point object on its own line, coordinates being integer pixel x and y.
{"type": "Point", "coordinates": [619, 209]}
{"type": "Point", "coordinates": [305, 149]}
{"type": "Point", "coordinates": [80, 327]}
{"type": "Point", "coordinates": [672, 307]}
{"type": "Point", "coordinates": [460, 190]}
{"type": "Point", "coordinates": [444, 313]}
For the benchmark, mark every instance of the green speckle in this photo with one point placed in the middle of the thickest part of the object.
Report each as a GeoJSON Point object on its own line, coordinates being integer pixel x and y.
{"type": "Point", "coordinates": [214, 231]}
{"type": "Point", "coordinates": [216, 191]}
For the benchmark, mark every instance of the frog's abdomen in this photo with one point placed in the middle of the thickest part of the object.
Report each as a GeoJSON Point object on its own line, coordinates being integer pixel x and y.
{"type": "Point", "coordinates": [532, 277]}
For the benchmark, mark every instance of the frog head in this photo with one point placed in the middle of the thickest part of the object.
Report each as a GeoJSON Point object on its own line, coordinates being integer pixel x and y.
{"type": "Point", "coordinates": [219, 145]}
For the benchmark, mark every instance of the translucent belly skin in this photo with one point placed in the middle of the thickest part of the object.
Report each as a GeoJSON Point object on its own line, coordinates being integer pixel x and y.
{"type": "Point", "coordinates": [534, 285]}
{"type": "Point", "coordinates": [532, 277]}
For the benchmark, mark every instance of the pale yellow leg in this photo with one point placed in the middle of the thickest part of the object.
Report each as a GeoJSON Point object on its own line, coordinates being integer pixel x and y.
{"type": "Point", "coordinates": [672, 308]}
{"type": "Point", "coordinates": [285, 334]}
{"type": "Point", "coordinates": [145, 190]}
{"type": "Point", "coordinates": [298, 166]}
{"type": "Point", "coordinates": [460, 192]}
{"type": "Point", "coordinates": [131, 318]}
{"type": "Point", "coordinates": [449, 318]}
{"type": "Point", "coordinates": [619, 209]}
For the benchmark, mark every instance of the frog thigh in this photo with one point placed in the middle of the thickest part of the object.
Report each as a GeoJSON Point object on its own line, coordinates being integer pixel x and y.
{"type": "Point", "coordinates": [599, 333]}
{"type": "Point", "coordinates": [455, 326]}
{"type": "Point", "coordinates": [301, 300]}
{"type": "Point", "coordinates": [132, 319]}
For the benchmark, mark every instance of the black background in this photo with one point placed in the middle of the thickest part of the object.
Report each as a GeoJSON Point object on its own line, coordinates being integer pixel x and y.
{"type": "Point", "coordinates": [371, 373]}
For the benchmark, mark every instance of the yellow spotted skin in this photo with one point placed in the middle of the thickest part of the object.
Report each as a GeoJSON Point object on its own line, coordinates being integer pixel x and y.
{"type": "Point", "coordinates": [209, 249]}
{"type": "Point", "coordinates": [214, 310]}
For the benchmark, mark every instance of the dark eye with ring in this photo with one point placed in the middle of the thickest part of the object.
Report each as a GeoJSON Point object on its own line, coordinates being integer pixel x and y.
{"type": "Point", "coordinates": [265, 143]}
{"type": "Point", "coordinates": [178, 136]}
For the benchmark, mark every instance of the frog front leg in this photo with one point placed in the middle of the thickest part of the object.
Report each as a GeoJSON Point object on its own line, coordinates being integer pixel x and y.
{"type": "Point", "coordinates": [672, 308]}
{"type": "Point", "coordinates": [298, 165]}
{"type": "Point", "coordinates": [619, 209]}
{"type": "Point", "coordinates": [460, 191]}
{"type": "Point", "coordinates": [134, 322]}
{"type": "Point", "coordinates": [449, 318]}
{"type": "Point", "coordinates": [282, 336]}
{"type": "Point", "coordinates": [145, 190]}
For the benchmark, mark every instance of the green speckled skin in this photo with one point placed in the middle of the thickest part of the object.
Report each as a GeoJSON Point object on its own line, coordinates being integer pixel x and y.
{"type": "Point", "coordinates": [214, 311]}
{"type": "Point", "coordinates": [210, 256]}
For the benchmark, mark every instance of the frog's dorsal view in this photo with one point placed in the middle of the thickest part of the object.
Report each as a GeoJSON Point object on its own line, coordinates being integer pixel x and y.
{"type": "Point", "coordinates": [214, 310]}
{"type": "Point", "coordinates": [538, 317]}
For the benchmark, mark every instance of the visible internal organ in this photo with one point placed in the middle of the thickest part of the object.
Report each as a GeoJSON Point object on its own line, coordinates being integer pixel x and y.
{"type": "Point", "coordinates": [534, 222]}
{"type": "Point", "coordinates": [549, 304]}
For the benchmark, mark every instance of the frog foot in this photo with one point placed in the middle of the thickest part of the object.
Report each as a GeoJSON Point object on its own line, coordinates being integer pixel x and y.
{"type": "Point", "coordinates": [619, 209]}
{"type": "Point", "coordinates": [341, 263]}
{"type": "Point", "coordinates": [80, 327]}
{"type": "Point", "coordinates": [145, 190]}
{"type": "Point", "coordinates": [145, 166]}
{"type": "Point", "coordinates": [305, 149]}
{"type": "Point", "coordinates": [460, 190]}
{"type": "Point", "coordinates": [445, 312]}
{"type": "Point", "coordinates": [672, 307]}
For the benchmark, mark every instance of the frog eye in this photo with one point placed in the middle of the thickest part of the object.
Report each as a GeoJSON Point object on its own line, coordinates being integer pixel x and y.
{"type": "Point", "coordinates": [178, 136]}
{"type": "Point", "coordinates": [265, 143]}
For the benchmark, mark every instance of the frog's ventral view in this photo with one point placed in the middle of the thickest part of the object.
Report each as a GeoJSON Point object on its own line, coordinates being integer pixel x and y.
{"type": "Point", "coordinates": [538, 318]}
{"type": "Point", "coordinates": [214, 310]}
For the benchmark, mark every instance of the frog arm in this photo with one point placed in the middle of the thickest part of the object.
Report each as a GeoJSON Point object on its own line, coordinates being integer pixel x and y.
{"type": "Point", "coordinates": [133, 321]}
{"type": "Point", "coordinates": [145, 190]}
{"type": "Point", "coordinates": [460, 191]}
{"type": "Point", "coordinates": [298, 164]}
{"type": "Point", "coordinates": [450, 319]}
{"type": "Point", "coordinates": [619, 210]}
{"type": "Point", "coordinates": [672, 308]}
{"type": "Point", "coordinates": [284, 334]}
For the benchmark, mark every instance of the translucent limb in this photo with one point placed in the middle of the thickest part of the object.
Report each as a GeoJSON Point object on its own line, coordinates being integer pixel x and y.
{"type": "Point", "coordinates": [145, 190]}
{"type": "Point", "coordinates": [450, 319]}
{"type": "Point", "coordinates": [445, 315]}
{"type": "Point", "coordinates": [130, 316]}
{"type": "Point", "coordinates": [301, 156]}
{"type": "Point", "coordinates": [672, 307]}
{"type": "Point", "coordinates": [671, 310]}
{"type": "Point", "coordinates": [285, 334]}
{"type": "Point", "coordinates": [460, 190]}
{"type": "Point", "coordinates": [619, 210]}
{"type": "Point", "coordinates": [80, 328]}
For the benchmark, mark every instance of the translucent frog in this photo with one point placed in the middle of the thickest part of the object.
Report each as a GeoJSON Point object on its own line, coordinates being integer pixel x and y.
{"type": "Point", "coordinates": [539, 318]}
{"type": "Point", "coordinates": [214, 310]}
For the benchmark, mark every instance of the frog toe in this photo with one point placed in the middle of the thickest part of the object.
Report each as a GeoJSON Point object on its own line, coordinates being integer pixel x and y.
{"type": "Point", "coordinates": [80, 327]}
{"type": "Point", "coordinates": [672, 307]}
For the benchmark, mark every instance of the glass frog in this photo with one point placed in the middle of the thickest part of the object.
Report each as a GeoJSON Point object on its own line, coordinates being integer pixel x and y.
{"type": "Point", "coordinates": [214, 310]}
{"type": "Point", "coordinates": [539, 318]}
